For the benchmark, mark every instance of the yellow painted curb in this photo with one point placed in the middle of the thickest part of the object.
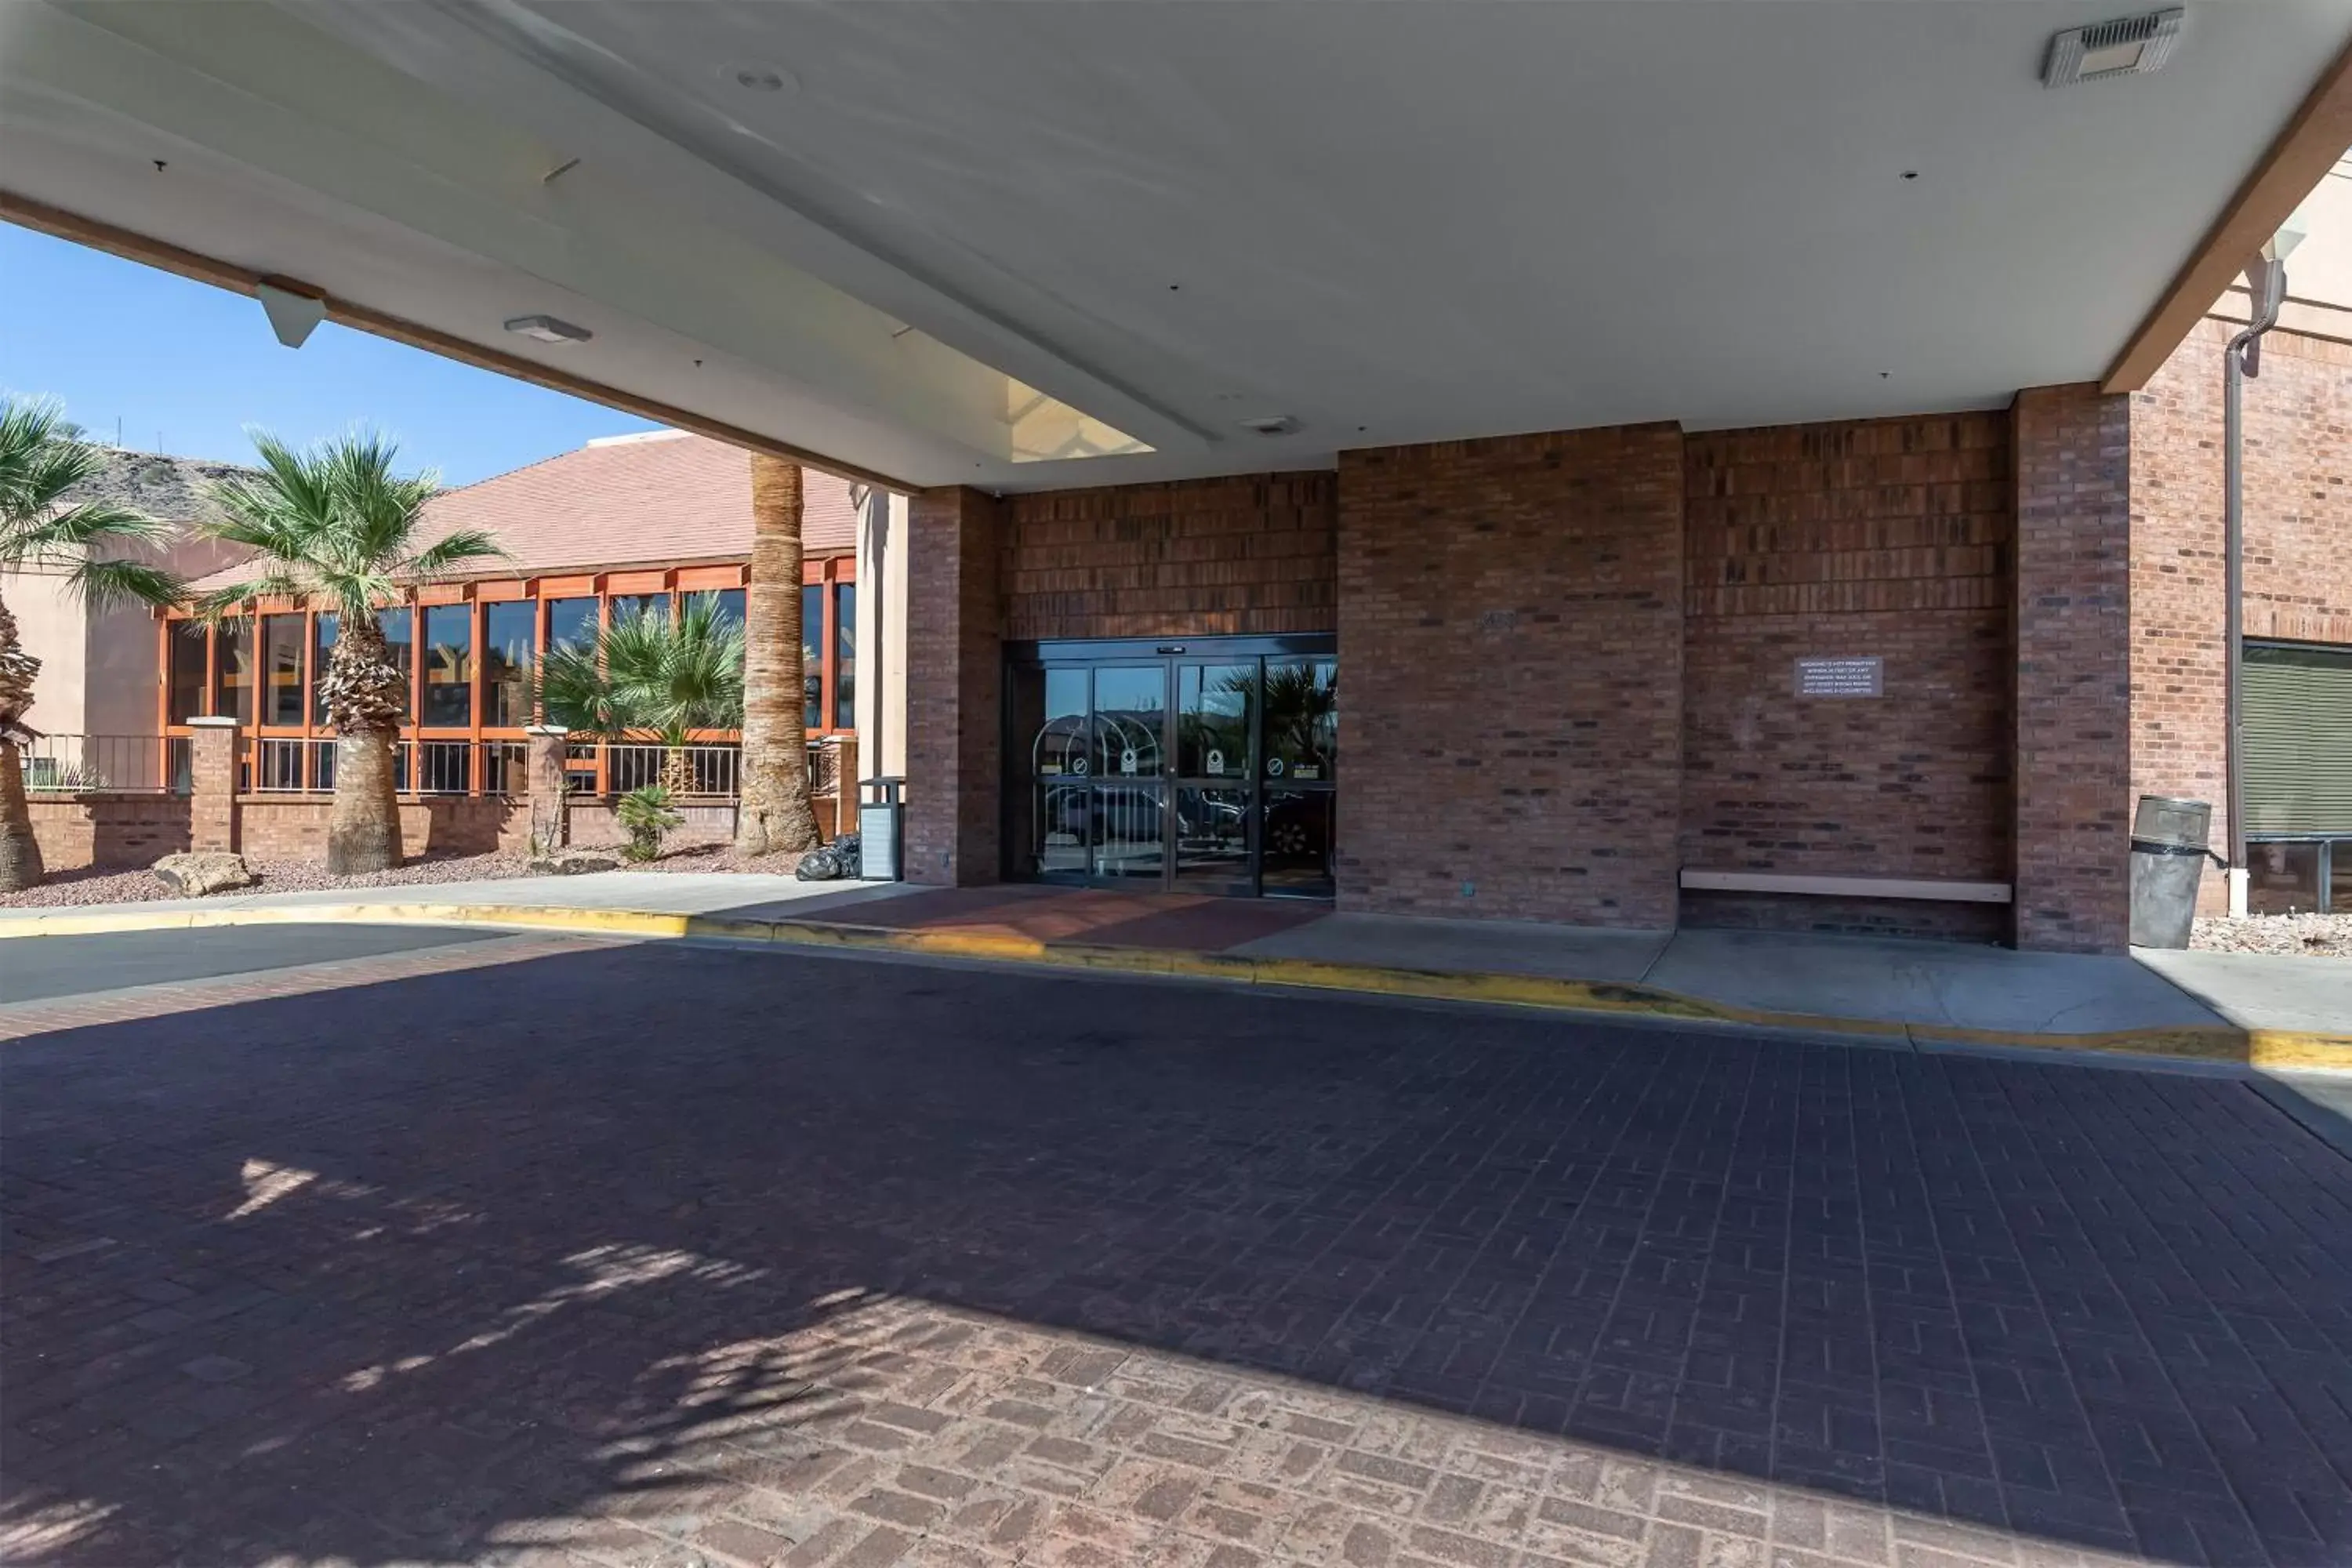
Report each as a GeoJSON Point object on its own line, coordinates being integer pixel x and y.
{"type": "Point", "coordinates": [2212, 1042]}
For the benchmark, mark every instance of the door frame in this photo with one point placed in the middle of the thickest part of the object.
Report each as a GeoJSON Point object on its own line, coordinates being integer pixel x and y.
{"type": "Point", "coordinates": [1090, 652]}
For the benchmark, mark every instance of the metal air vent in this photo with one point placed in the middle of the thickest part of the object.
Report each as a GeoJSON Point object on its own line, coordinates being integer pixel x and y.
{"type": "Point", "coordinates": [2128, 46]}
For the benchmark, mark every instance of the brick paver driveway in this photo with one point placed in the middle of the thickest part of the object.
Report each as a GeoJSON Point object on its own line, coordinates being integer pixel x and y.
{"type": "Point", "coordinates": [565, 1253]}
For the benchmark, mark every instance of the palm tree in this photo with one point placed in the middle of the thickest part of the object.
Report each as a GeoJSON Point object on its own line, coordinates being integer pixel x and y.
{"type": "Point", "coordinates": [647, 676]}
{"type": "Point", "coordinates": [333, 522]}
{"type": "Point", "coordinates": [41, 458]}
{"type": "Point", "coordinates": [775, 812]}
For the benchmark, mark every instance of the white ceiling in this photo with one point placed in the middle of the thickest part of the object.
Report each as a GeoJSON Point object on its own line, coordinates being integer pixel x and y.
{"type": "Point", "coordinates": [1392, 223]}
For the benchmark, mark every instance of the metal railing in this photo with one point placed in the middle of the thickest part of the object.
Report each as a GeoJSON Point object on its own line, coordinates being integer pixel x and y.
{"type": "Point", "coordinates": [295, 764]}
{"type": "Point", "coordinates": [708, 770]}
{"type": "Point", "coordinates": [71, 764]}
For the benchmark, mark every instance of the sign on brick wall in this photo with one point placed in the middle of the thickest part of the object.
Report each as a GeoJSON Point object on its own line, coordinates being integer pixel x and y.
{"type": "Point", "coordinates": [1841, 677]}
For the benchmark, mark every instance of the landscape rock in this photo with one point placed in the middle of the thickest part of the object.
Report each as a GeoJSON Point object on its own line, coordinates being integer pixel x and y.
{"type": "Point", "coordinates": [576, 862]}
{"type": "Point", "coordinates": [193, 874]}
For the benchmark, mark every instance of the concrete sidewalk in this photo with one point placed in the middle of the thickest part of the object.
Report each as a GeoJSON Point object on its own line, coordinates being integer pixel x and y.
{"type": "Point", "coordinates": [2272, 1011]}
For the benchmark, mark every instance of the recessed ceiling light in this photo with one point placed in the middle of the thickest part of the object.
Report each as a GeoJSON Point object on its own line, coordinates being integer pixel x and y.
{"type": "Point", "coordinates": [1271, 425]}
{"type": "Point", "coordinates": [756, 78]}
{"type": "Point", "coordinates": [548, 330]}
{"type": "Point", "coordinates": [2128, 46]}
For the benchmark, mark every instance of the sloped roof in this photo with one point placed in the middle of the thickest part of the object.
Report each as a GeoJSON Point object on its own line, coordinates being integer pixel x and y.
{"type": "Point", "coordinates": [634, 500]}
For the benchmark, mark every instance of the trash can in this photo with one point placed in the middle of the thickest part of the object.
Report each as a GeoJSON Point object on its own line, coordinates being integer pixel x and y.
{"type": "Point", "coordinates": [2167, 860]}
{"type": "Point", "coordinates": [880, 820]}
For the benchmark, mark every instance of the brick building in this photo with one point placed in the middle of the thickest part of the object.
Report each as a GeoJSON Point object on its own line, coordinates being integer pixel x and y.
{"type": "Point", "coordinates": [1751, 464]}
{"type": "Point", "coordinates": [624, 524]}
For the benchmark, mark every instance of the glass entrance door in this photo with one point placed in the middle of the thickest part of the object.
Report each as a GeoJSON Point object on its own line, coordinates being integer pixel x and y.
{"type": "Point", "coordinates": [1209, 767]}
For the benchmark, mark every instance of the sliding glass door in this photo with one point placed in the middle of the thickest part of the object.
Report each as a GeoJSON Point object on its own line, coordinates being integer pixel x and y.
{"type": "Point", "coordinates": [1209, 766]}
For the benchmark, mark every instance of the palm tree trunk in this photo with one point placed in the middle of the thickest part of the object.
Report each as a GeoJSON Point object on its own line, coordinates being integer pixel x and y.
{"type": "Point", "coordinates": [20, 852]}
{"type": "Point", "coordinates": [363, 824]}
{"type": "Point", "coordinates": [674, 775]}
{"type": "Point", "coordinates": [363, 701]}
{"type": "Point", "coordinates": [774, 813]}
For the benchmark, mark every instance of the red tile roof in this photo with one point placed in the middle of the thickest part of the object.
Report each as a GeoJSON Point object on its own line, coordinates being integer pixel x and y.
{"type": "Point", "coordinates": [667, 498]}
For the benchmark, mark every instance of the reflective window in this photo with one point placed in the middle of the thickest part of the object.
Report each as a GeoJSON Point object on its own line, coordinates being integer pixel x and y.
{"type": "Point", "coordinates": [1130, 706]}
{"type": "Point", "coordinates": [627, 604]}
{"type": "Point", "coordinates": [448, 666]}
{"type": "Point", "coordinates": [322, 649]}
{"type": "Point", "coordinates": [400, 642]}
{"type": "Point", "coordinates": [1297, 836]}
{"type": "Point", "coordinates": [184, 693]}
{"type": "Point", "coordinates": [1302, 719]}
{"type": "Point", "coordinates": [233, 677]}
{"type": "Point", "coordinates": [506, 663]}
{"type": "Point", "coordinates": [812, 656]}
{"type": "Point", "coordinates": [844, 656]}
{"type": "Point", "coordinates": [1213, 719]}
{"type": "Point", "coordinates": [570, 623]}
{"type": "Point", "coordinates": [2282, 878]}
{"type": "Point", "coordinates": [1213, 829]}
{"type": "Point", "coordinates": [727, 605]}
{"type": "Point", "coordinates": [281, 667]}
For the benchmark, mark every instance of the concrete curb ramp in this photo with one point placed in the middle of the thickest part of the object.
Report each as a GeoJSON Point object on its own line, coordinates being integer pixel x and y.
{"type": "Point", "coordinates": [2211, 1043]}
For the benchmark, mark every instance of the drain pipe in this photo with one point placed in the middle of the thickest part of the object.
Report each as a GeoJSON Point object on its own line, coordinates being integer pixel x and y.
{"type": "Point", "coordinates": [2241, 360]}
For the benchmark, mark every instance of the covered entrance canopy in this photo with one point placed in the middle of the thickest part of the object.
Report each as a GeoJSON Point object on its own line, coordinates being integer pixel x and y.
{"type": "Point", "coordinates": [1026, 247]}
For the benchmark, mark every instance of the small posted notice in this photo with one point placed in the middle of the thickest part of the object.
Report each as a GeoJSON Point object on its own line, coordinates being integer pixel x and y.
{"type": "Point", "coordinates": [1841, 677]}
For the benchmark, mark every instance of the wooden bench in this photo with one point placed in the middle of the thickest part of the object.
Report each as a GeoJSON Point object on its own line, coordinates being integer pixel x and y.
{"type": "Point", "coordinates": [1930, 888]}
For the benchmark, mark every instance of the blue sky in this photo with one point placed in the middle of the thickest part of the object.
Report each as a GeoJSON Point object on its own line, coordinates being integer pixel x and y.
{"type": "Point", "coordinates": [186, 367]}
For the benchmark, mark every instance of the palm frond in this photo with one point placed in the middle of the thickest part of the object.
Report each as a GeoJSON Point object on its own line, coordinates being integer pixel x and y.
{"type": "Point", "coordinates": [104, 582]}
{"type": "Point", "coordinates": [276, 581]}
{"type": "Point", "coordinates": [460, 547]}
{"type": "Point", "coordinates": [42, 458]}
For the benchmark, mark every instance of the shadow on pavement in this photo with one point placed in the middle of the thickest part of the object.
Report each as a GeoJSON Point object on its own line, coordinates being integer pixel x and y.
{"type": "Point", "coordinates": [395, 1269]}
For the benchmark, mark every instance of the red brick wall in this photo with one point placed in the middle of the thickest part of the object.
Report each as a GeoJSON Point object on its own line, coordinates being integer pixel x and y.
{"type": "Point", "coordinates": [1510, 638]}
{"type": "Point", "coordinates": [292, 826]}
{"type": "Point", "coordinates": [109, 832]}
{"type": "Point", "coordinates": [955, 678]}
{"type": "Point", "coordinates": [1210, 557]}
{"type": "Point", "coordinates": [2071, 452]}
{"type": "Point", "coordinates": [1887, 537]}
{"type": "Point", "coordinates": [2298, 555]}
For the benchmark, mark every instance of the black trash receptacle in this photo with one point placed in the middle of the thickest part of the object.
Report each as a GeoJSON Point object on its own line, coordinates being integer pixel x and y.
{"type": "Point", "coordinates": [2168, 862]}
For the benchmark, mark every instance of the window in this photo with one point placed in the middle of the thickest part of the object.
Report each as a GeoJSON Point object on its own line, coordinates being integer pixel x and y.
{"type": "Point", "coordinates": [233, 674]}
{"type": "Point", "coordinates": [727, 605]}
{"type": "Point", "coordinates": [322, 649]}
{"type": "Point", "coordinates": [845, 658]}
{"type": "Point", "coordinates": [2298, 741]}
{"type": "Point", "coordinates": [1302, 719]}
{"type": "Point", "coordinates": [449, 666]}
{"type": "Point", "coordinates": [281, 667]}
{"type": "Point", "coordinates": [506, 663]}
{"type": "Point", "coordinates": [812, 656]}
{"type": "Point", "coordinates": [401, 644]}
{"type": "Point", "coordinates": [184, 693]}
{"type": "Point", "coordinates": [627, 604]}
{"type": "Point", "coordinates": [570, 623]}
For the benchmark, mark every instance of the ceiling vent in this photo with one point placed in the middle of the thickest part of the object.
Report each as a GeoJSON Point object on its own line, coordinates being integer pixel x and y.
{"type": "Point", "coordinates": [1272, 425]}
{"type": "Point", "coordinates": [2129, 46]}
{"type": "Point", "coordinates": [548, 330]}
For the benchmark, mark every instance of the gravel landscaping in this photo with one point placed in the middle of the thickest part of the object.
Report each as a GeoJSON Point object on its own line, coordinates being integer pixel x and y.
{"type": "Point", "coordinates": [2309, 936]}
{"type": "Point", "coordinates": [72, 888]}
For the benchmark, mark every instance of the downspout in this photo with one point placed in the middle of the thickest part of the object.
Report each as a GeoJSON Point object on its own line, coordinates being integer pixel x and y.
{"type": "Point", "coordinates": [2240, 360]}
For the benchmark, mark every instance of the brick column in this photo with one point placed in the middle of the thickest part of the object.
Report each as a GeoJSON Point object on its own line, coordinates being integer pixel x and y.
{"type": "Point", "coordinates": [549, 784]}
{"type": "Point", "coordinates": [845, 784]}
{"type": "Point", "coordinates": [955, 671]}
{"type": "Point", "coordinates": [212, 785]}
{"type": "Point", "coordinates": [2073, 453]}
